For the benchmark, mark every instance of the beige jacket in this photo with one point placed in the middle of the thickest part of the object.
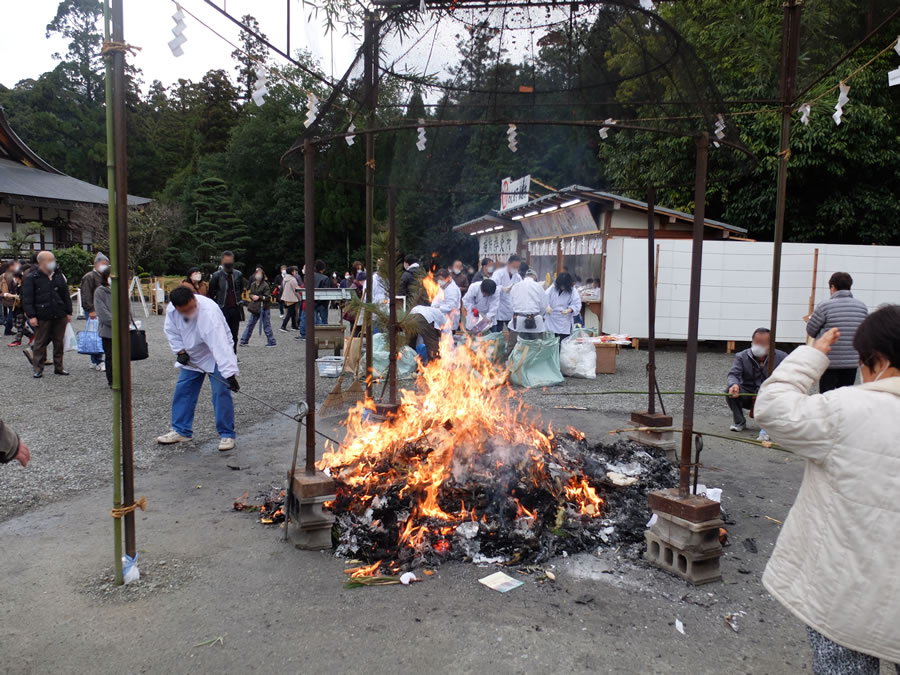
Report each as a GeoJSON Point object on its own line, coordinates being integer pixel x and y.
{"type": "Point", "coordinates": [836, 565]}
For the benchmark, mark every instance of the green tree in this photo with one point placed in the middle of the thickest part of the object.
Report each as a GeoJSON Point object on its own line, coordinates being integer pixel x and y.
{"type": "Point", "coordinates": [20, 240]}
{"type": "Point", "coordinates": [74, 262]}
{"type": "Point", "coordinates": [216, 228]}
{"type": "Point", "coordinates": [76, 20]}
{"type": "Point", "coordinates": [251, 53]}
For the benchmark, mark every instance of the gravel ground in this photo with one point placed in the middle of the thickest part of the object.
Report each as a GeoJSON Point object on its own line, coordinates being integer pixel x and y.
{"type": "Point", "coordinates": [66, 421]}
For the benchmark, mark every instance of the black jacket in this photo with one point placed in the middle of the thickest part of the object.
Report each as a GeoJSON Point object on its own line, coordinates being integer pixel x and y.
{"type": "Point", "coordinates": [218, 286]}
{"type": "Point", "coordinates": [46, 298]}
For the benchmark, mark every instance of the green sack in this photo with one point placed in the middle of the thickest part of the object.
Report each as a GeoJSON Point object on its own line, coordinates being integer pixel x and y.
{"type": "Point", "coordinates": [406, 361]}
{"type": "Point", "coordinates": [494, 344]}
{"type": "Point", "coordinates": [535, 363]}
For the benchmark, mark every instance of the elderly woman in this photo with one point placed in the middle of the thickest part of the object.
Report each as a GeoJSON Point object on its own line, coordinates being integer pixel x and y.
{"type": "Point", "coordinates": [835, 563]}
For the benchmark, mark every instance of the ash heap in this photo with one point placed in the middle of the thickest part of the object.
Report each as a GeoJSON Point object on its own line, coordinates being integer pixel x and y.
{"type": "Point", "coordinates": [462, 473]}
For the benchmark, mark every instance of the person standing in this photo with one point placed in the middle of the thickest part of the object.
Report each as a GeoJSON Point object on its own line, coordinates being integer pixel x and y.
{"type": "Point", "coordinates": [460, 278]}
{"type": "Point", "coordinates": [527, 305]}
{"type": "Point", "coordinates": [89, 284]}
{"type": "Point", "coordinates": [45, 297]}
{"type": "Point", "coordinates": [485, 271]}
{"type": "Point", "coordinates": [412, 271]}
{"type": "Point", "coordinates": [748, 372]}
{"type": "Point", "coordinates": [226, 287]}
{"type": "Point", "coordinates": [321, 306]}
{"type": "Point", "coordinates": [846, 313]}
{"type": "Point", "coordinates": [259, 308]}
{"type": "Point", "coordinates": [194, 281]}
{"type": "Point", "coordinates": [834, 564]}
{"type": "Point", "coordinates": [481, 302]}
{"type": "Point", "coordinates": [448, 299]}
{"type": "Point", "coordinates": [505, 278]}
{"type": "Point", "coordinates": [198, 336]}
{"type": "Point", "coordinates": [563, 303]}
{"type": "Point", "coordinates": [11, 293]}
{"type": "Point", "coordinates": [103, 308]}
{"type": "Point", "coordinates": [12, 448]}
{"type": "Point", "coordinates": [290, 297]}
{"type": "Point", "coordinates": [278, 289]}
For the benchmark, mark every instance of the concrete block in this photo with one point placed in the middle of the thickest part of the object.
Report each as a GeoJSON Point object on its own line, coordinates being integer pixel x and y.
{"type": "Point", "coordinates": [695, 568]}
{"type": "Point", "coordinates": [685, 535]}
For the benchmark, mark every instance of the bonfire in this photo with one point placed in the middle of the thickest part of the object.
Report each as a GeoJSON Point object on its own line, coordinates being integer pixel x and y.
{"type": "Point", "coordinates": [463, 471]}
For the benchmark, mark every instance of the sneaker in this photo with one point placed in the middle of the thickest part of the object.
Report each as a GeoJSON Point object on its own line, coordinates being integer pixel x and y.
{"type": "Point", "coordinates": [738, 427]}
{"type": "Point", "coordinates": [283, 330]}
{"type": "Point", "coordinates": [171, 438]}
{"type": "Point", "coordinates": [16, 343]}
{"type": "Point", "coordinates": [93, 366]}
{"type": "Point", "coordinates": [763, 436]}
{"type": "Point", "coordinates": [101, 367]}
{"type": "Point", "coordinates": [226, 444]}
{"type": "Point", "coordinates": [244, 344]}
{"type": "Point", "coordinates": [299, 337]}
{"type": "Point", "coordinates": [271, 344]}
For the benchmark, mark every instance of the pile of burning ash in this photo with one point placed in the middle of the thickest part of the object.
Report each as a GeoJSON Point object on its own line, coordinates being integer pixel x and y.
{"type": "Point", "coordinates": [584, 497]}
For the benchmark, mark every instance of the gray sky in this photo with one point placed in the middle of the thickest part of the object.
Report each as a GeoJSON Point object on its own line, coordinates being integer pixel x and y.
{"type": "Point", "coordinates": [26, 53]}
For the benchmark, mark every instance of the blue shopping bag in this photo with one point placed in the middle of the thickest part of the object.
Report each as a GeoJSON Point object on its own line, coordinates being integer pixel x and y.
{"type": "Point", "coordinates": [89, 341]}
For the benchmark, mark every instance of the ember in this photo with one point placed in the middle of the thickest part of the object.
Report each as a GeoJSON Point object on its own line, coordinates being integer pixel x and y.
{"type": "Point", "coordinates": [461, 472]}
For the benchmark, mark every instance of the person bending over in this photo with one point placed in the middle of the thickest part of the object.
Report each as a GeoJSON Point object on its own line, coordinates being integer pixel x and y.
{"type": "Point", "coordinates": [748, 372]}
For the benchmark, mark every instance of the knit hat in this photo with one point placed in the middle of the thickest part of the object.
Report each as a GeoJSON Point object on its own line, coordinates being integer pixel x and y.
{"type": "Point", "coordinates": [100, 258]}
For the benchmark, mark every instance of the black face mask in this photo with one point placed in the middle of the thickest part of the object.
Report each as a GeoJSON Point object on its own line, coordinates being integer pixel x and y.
{"type": "Point", "coordinates": [227, 266]}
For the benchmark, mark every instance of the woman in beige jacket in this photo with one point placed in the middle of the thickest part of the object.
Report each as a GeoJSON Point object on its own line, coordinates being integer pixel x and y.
{"type": "Point", "coordinates": [836, 565]}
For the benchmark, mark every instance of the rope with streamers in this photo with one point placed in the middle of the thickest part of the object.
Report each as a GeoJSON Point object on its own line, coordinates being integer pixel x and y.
{"type": "Point", "coordinates": [110, 46]}
{"type": "Point", "coordinates": [125, 510]}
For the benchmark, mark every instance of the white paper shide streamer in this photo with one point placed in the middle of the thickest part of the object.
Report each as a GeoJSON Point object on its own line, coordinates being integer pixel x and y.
{"type": "Point", "coordinates": [894, 75]}
{"type": "Point", "coordinates": [604, 131]}
{"type": "Point", "coordinates": [261, 87]}
{"type": "Point", "coordinates": [178, 32]}
{"type": "Point", "coordinates": [512, 138]}
{"type": "Point", "coordinates": [351, 138]}
{"type": "Point", "coordinates": [843, 99]}
{"type": "Point", "coordinates": [312, 109]}
{"type": "Point", "coordinates": [805, 110]}
{"type": "Point", "coordinates": [420, 144]}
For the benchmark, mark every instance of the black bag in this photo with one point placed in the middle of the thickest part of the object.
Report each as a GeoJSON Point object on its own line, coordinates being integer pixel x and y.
{"type": "Point", "coordinates": [139, 348]}
{"type": "Point", "coordinates": [530, 323]}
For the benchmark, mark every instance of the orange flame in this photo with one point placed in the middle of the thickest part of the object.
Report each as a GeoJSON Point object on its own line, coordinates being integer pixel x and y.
{"type": "Point", "coordinates": [585, 497]}
{"type": "Point", "coordinates": [432, 288]}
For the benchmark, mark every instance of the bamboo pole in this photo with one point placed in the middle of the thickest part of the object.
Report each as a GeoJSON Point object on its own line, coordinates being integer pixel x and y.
{"type": "Point", "coordinates": [114, 284]}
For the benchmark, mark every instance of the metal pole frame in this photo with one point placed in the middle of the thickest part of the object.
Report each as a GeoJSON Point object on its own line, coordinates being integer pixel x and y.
{"type": "Point", "coordinates": [651, 301]}
{"type": "Point", "coordinates": [392, 295]}
{"type": "Point", "coordinates": [114, 286]}
{"type": "Point", "coordinates": [309, 245]}
{"type": "Point", "coordinates": [371, 80]}
{"type": "Point", "coordinates": [123, 366]}
{"type": "Point", "coordinates": [690, 367]}
{"type": "Point", "coordinates": [790, 44]}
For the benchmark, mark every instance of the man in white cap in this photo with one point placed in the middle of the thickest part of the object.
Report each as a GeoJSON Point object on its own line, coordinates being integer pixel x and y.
{"type": "Point", "coordinates": [90, 282]}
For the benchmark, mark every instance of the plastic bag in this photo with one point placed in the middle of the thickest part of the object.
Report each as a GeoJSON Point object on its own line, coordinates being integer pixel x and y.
{"type": "Point", "coordinates": [70, 342]}
{"type": "Point", "coordinates": [88, 340]}
{"type": "Point", "coordinates": [578, 359]}
{"type": "Point", "coordinates": [494, 343]}
{"type": "Point", "coordinates": [535, 363]}
{"type": "Point", "coordinates": [406, 361]}
{"type": "Point", "coordinates": [130, 571]}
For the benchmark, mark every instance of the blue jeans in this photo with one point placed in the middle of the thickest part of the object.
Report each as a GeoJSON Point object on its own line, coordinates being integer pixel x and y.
{"type": "Point", "coordinates": [265, 324]}
{"type": "Point", "coordinates": [321, 318]}
{"type": "Point", "coordinates": [96, 359]}
{"type": "Point", "coordinates": [184, 401]}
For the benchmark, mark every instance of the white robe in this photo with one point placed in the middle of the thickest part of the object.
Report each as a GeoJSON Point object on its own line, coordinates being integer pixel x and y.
{"type": "Point", "coordinates": [527, 298]}
{"type": "Point", "coordinates": [556, 321]}
{"type": "Point", "coordinates": [487, 305]}
{"type": "Point", "coordinates": [505, 282]}
{"type": "Point", "coordinates": [206, 338]}
{"type": "Point", "coordinates": [447, 300]}
{"type": "Point", "coordinates": [434, 315]}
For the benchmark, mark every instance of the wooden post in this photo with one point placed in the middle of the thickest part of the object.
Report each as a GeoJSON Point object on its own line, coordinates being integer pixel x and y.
{"type": "Point", "coordinates": [604, 236]}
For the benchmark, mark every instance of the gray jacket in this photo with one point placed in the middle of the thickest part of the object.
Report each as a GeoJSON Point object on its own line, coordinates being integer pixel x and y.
{"type": "Point", "coordinates": [748, 373]}
{"type": "Point", "coordinates": [103, 307]}
{"type": "Point", "coordinates": [844, 312]}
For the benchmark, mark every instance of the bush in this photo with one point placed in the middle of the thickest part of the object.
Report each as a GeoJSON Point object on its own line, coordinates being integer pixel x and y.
{"type": "Point", "coordinates": [74, 262]}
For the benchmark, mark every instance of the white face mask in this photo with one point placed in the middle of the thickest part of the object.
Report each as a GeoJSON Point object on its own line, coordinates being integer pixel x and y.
{"type": "Point", "coordinates": [759, 350]}
{"type": "Point", "coordinates": [51, 266]}
{"type": "Point", "coordinates": [346, 276]}
{"type": "Point", "coordinates": [196, 276]}
{"type": "Point", "coordinates": [102, 268]}
{"type": "Point", "coordinates": [489, 269]}
{"type": "Point", "coordinates": [443, 283]}
{"type": "Point", "coordinates": [259, 277]}
{"type": "Point", "coordinates": [284, 273]}
{"type": "Point", "coordinates": [457, 270]}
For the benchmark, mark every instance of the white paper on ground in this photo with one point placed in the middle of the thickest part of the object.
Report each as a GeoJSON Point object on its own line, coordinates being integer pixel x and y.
{"type": "Point", "coordinates": [501, 582]}
{"type": "Point", "coordinates": [679, 626]}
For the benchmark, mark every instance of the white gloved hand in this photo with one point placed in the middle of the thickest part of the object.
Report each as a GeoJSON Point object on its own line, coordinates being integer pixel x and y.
{"type": "Point", "coordinates": [549, 310]}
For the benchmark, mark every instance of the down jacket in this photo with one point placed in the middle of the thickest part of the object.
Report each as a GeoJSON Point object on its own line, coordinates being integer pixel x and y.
{"type": "Point", "coordinates": [835, 562]}
{"type": "Point", "coordinates": [46, 298]}
{"type": "Point", "coordinates": [844, 312]}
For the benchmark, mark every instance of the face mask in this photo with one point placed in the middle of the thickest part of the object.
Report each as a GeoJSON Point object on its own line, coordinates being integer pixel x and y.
{"type": "Point", "coordinates": [759, 350]}
{"type": "Point", "coordinates": [443, 283]}
{"type": "Point", "coordinates": [227, 266]}
{"type": "Point", "coordinates": [284, 273]}
{"type": "Point", "coordinates": [196, 276]}
{"type": "Point", "coordinates": [51, 266]}
{"type": "Point", "coordinates": [346, 276]}
{"type": "Point", "coordinates": [457, 270]}
{"type": "Point", "coordinates": [259, 277]}
{"type": "Point", "coordinates": [513, 271]}
{"type": "Point", "coordinates": [883, 371]}
{"type": "Point", "coordinates": [102, 268]}
{"type": "Point", "coordinates": [190, 317]}
{"type": "Point", "coordinates": [489, 269]}
{"type": "Point", "coordinates": [303, 271]}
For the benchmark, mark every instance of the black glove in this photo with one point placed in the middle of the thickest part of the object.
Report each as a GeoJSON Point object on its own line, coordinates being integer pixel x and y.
{"type": "Point", "coordinates": [233, 383]}
{"type": "Point", "coordinates": [183, 358]}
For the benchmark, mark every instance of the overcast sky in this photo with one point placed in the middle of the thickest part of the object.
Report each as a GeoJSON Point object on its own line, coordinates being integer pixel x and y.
{"type": "Point", "coordinates": [25, 52]}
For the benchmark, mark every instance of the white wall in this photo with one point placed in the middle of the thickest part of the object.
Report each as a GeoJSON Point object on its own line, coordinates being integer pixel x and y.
{"type": "Point", "coordinates": [735, 291]}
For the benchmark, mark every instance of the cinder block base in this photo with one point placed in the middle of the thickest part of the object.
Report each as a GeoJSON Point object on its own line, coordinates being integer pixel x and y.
{"type": "Point", "coordinates": [695, 568]}
{"type": "Point", "coordinates": [664, 440]}
{"type": "Point", "coordinates": [685, 535]}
